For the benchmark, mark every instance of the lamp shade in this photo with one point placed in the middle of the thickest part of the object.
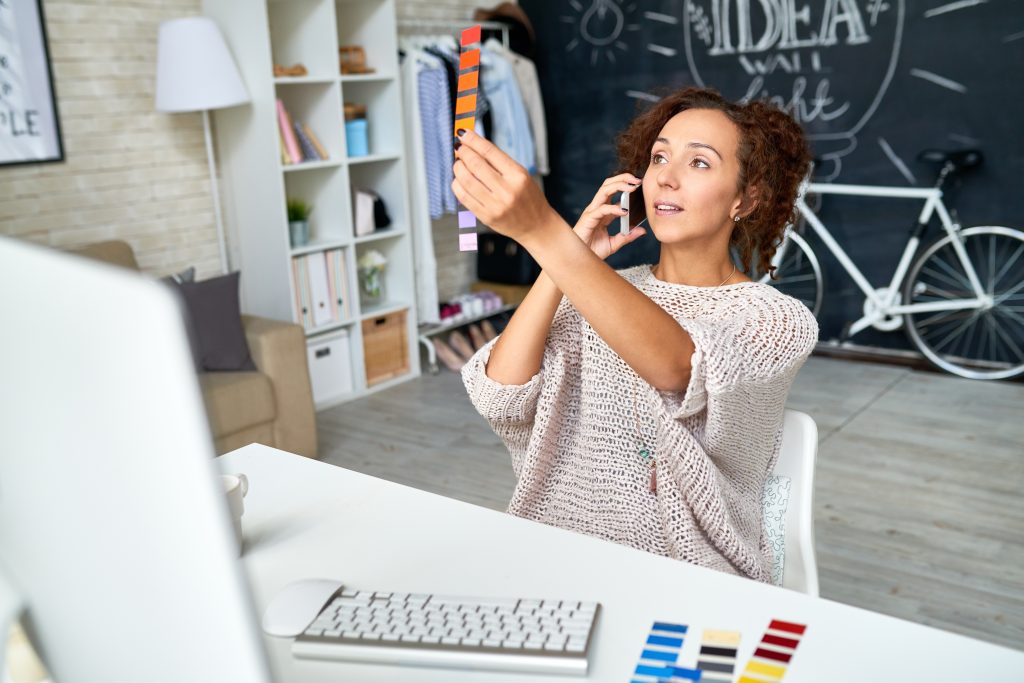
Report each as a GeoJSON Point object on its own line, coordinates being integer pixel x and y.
{"type": "Point", "coordinates": [194, 68]}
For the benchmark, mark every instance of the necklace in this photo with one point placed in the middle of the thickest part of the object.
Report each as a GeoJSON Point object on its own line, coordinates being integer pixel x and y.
{"type": "Point", "coordinates": [643, 451]}
{"type": "Point", "coordinates": [728, 278]}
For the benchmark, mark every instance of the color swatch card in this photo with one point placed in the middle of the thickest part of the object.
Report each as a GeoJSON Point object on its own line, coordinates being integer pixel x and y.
{"type": "Point", "coordinates": [773, 653]}
{"type": "Point", "coordinates": [658, 660]}
{"type": "Point", "coordinates": [717, 658]}
{"type": "Point", "coordinates": [465, 118]}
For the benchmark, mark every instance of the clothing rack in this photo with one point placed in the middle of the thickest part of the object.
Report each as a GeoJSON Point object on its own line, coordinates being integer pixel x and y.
{"type": "Point", "coordinates": [427, 26]}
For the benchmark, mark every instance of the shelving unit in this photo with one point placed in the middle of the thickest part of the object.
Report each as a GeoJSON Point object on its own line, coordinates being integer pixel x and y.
{"type": "Point", "coordinates": [427, 331]}
{"type": "Point", "coordinates": [257, 184]}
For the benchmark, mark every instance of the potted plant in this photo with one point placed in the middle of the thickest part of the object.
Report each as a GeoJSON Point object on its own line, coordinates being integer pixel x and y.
{"type": "Point", "coordinates": [298, 221]}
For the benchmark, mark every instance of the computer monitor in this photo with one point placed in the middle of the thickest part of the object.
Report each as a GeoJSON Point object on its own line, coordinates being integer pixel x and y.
{"type": "Point", "coordinates": [114, 530]}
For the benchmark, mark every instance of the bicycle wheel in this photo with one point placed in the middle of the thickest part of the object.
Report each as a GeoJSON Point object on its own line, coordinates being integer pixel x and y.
{"type": "Point", "coordinates": [977, 343]}
{"type": "Point", "coordinates": [798, 272]}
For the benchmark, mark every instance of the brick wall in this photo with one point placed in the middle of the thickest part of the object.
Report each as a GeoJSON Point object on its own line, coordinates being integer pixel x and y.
{"type": "Point", "coordinates": [129, 172]}
{"type": "Point", "coordinates": [135, 174]}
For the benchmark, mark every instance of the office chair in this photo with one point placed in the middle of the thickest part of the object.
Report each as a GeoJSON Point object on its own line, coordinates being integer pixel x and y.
{"type": "Point", "coordinates": [796, 461]}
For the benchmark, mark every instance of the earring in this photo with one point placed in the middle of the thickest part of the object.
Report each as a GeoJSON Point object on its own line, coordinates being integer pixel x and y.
{"type": "Point", "coordinates": [736, 219]}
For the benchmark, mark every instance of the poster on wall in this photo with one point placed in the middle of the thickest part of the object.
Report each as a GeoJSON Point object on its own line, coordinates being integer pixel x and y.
{"type": "Point", "coordinates": [29, 127]}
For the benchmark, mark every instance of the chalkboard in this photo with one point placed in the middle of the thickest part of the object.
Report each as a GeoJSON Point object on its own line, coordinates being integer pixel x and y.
{"type": "Point", "coordinates": [873, 82]}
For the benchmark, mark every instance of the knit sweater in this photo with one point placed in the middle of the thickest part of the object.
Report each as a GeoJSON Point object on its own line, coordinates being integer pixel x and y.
{"type": "Point", "coordinates": [575, 437]}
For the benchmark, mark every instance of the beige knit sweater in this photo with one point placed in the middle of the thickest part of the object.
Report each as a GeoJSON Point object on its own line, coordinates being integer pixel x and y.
{"type": "Point", "coordinates": [574, 440]}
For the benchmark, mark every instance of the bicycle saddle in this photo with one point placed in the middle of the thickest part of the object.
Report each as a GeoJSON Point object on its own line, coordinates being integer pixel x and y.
{"type": "Point", "coordinates": [961, 159]}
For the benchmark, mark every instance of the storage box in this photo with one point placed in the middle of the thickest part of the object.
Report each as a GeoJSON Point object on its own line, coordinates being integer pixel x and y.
{"type": "Point", "coordinates": [385, 347]}
{"type": "Point", "coordinates": [357, 138]}
{"type": "Point", "coordinates": [330, 368]}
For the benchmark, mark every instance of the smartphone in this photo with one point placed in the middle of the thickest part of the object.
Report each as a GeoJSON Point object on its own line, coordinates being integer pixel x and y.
{"type": "Point", "coordinates": [624, 220]}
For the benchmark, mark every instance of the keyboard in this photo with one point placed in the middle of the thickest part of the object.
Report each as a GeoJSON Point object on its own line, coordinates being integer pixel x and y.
{"type": "Point", "coordinates": [521, 635]}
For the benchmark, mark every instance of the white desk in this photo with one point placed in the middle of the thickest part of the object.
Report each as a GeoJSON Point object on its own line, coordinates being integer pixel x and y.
{"type": "Point", "coordinates": [305, 519]}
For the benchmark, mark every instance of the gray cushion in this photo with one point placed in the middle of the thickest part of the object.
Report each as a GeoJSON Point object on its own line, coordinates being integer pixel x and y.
{"type": "Point", "coordinates": [215, 324]}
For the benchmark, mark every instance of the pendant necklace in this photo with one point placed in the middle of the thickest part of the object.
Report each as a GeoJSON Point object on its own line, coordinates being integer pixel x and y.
{"type": "Point", "coordinates": [643, 451]}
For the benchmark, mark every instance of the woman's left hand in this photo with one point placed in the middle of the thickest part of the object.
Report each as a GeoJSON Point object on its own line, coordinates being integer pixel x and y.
{"type": "Point", "coordinates": [498, 190]}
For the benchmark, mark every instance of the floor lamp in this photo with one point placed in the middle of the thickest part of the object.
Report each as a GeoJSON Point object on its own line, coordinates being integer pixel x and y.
{"type": "Point", "coordinates": [195, 72]}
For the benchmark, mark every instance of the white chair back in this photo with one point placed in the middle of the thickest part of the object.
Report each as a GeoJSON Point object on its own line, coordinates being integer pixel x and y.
{"type": "Point", "coordinates": [796, 461]}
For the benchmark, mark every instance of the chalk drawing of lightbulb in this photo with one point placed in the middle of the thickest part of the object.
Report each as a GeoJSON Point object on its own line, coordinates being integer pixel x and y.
{"type": "Point", "coordinates": [602, 27]}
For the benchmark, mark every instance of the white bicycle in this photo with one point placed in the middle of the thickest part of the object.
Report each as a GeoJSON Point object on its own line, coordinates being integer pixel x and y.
{"type": "Point", "coordinates": [961, 301]}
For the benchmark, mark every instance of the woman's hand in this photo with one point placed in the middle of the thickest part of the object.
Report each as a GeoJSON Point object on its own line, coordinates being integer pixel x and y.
{"type": "Point", "coordinates": [502, 195]}
{"type": "Point", "coordinates": [498, 190]}
{"type": "Point", "coordinates": [592, 226]}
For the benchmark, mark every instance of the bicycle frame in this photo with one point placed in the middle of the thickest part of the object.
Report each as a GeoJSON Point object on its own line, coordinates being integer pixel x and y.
{"type": "Point", "coordinates": [885, 302]}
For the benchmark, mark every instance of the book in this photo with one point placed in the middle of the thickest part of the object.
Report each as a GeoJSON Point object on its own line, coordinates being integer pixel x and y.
{"type": "Point", "coordinates": [302, 310]}
{"type": "Point", "coordinates": [300, 313]}
{"type": "Point", "coordinates": [332, 288]}
{"type": "Point", "coordinates": [309, 152]}
{"type": "Point", "coordinates": [284, 122]}
{"type": "Point", "coordinates": [285, 159]}
{"type": "Point", "coordinates": [316, 143]}
{"type": "Point", "coordinates": [340, 283]}
{"type": "Point", "coordinates": [318, 288]}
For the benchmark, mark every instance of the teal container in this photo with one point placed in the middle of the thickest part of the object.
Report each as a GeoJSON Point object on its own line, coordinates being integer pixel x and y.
{"type": "Point", "coordinates": [356, 138]}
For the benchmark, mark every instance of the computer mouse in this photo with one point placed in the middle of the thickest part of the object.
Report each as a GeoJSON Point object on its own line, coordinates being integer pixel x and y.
{"type": "Point", "coordinates": [296, 606]}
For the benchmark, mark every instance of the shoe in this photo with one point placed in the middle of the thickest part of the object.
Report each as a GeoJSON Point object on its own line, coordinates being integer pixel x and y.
{"type": "Point", "coordinates": [451, 360]}
{"type": "Point", "coordinates": [491, 300]}
{"type": "Point", "coordinates": [488, 329]}
{"type": "Point", "coordinates": [458, 341]}
{"type": "Point", "coordinates": [477, 336]}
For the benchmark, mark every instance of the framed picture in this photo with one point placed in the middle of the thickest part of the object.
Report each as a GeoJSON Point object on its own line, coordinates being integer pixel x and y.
{"type": "Point", "coordinates": [29, 125]}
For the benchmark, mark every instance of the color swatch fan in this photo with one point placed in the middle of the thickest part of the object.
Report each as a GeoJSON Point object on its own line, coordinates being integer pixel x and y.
{"type": "Point", "coordinates": [465, 118]}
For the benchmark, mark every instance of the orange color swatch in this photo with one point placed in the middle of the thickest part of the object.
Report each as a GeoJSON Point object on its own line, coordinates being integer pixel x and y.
{"type": "Point", "coordinates": [465, 104]}
{"type": "Point", "coordinates": [469, 81]}
{"type": "Point", "coordinates": [469, 59]}
{"type": "Point", "coordinates": [470, 36]}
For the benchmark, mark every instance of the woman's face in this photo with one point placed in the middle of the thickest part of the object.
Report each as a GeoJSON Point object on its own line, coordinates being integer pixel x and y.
{"type": "Point", "coordinates": [690, 187]}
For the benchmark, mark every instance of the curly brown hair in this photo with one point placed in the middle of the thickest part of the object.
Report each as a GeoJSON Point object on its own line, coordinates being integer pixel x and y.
{"type": "Point", "coordinates": [773, 157]}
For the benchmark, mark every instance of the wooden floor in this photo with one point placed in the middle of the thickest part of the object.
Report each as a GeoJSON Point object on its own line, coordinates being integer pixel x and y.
{"type": "Point", "coordinates": [919, 493]}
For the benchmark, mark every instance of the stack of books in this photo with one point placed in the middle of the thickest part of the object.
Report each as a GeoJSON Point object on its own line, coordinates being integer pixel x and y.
{"type": "Point", "coordinates": [298, 143]}
{"type": "Point", "coordinates": [321, 294]}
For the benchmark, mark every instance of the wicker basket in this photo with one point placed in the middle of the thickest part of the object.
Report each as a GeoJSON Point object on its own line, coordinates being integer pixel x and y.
{"type": "Point", "coordinates": [386, 347]}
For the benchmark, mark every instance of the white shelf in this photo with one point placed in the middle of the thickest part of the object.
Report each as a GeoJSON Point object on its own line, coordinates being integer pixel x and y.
{"type": "Point", "coordinates": [311, 165]}
{"type": "Point", "coordinates": [372, 158]}
{"type": "Point", "coordinates": [380, 235]}
{"type": "Point", "coordinates": [318, 245]}
{"type": "Point", "coordinates": [364, 78]}
{"type": "Point", "coordinates": [431, 330]}
{"type": "Point", "coordinates": [303, 80]}
{"type": "Point", "coordinates": [324, 329]}
{"type": "Point", "coordinates": [261, 33]}
{"type": "Point", "coordinates": [384, 309]}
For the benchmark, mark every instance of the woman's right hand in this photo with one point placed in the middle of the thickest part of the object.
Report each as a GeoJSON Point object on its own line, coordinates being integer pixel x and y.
{"type": "Point", "coordinates": [593, 223]}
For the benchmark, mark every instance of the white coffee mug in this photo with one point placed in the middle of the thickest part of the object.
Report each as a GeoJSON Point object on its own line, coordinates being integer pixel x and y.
{"type": "Point", "coordinates": [236, 486]}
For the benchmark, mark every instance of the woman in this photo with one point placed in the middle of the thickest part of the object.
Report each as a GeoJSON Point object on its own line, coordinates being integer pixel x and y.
{"type": "Point", "coordinates": [645, 406]}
